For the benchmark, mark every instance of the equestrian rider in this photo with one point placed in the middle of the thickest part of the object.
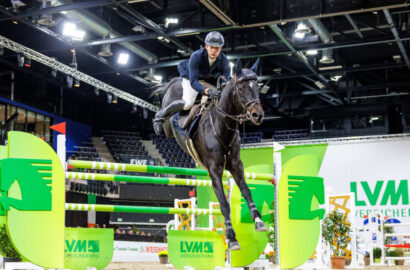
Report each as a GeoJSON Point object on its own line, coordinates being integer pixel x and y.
{"type": "Point", "coordinates": [198, 73]}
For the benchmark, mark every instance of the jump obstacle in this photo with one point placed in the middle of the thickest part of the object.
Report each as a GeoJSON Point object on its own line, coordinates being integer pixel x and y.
{"type": "Point", "coordinates": [18, 149]}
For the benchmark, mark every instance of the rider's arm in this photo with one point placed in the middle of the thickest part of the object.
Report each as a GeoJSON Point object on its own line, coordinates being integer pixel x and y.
{"type": "Point", "coordinates": [194, 73]}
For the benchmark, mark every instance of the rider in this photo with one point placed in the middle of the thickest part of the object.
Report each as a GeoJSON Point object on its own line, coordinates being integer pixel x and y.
{"type": "Point", "coordinates": [199, 73]}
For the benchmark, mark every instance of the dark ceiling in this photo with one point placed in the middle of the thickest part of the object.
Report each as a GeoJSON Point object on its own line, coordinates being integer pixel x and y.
{"type": "Point", "coordinates": [367, 39]}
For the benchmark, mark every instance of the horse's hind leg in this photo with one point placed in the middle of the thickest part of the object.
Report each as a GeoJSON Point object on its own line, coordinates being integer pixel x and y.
{"type": "Point", "coordinates": [235, 166]}
{"type": "Point", "coordinates": [215, 172]}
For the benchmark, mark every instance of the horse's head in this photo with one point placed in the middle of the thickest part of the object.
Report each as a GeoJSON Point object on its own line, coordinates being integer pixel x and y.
{"type": "Point", "coordinates": [246, 92]}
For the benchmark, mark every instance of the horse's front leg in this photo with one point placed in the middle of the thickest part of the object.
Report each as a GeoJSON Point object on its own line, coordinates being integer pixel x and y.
{"type": "Point", "coordinates": [215, 172]}
{"type": "Point", "coordinates": [235, 166]}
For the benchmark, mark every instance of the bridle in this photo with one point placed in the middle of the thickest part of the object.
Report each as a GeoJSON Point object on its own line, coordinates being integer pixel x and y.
{"type": "Point", "coordinates": [245, 115]}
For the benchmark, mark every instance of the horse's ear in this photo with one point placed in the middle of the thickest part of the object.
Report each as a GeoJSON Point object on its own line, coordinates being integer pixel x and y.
{"type": "Point", "coordinates": [254, 68]}
{"type": "Point", "coordinates": [238, 66]}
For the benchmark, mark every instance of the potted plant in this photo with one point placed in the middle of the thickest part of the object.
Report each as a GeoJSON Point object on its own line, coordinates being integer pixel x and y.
{"type": "Point", "coordinates": [270, 256]}
{"type": "Point", "coordinates": [335, 231]}
{"type": "Point", "coordinates": [7, 248]}
{"type": "Point", "coordinates": [163, 256]}
{"type": "Point", "coordinates": [396, 253]}
{"type": "Point", "coordinates": [366, 259]}
{"type": "Point", "coordinates": [377, 254]}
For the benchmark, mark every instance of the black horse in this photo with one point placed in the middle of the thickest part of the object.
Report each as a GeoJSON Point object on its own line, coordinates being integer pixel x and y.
{"type": "Point", "coordinates": [217, 140]}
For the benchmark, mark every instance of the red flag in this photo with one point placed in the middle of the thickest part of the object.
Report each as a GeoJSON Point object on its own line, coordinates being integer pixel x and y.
{"type": "Point", "coordinates": [59, 127]}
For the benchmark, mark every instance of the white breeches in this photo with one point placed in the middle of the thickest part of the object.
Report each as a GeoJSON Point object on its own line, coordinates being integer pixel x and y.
{"type": "Point", "coordinates": [189, 94]}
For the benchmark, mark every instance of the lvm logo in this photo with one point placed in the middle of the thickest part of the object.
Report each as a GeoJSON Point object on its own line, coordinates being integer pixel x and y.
{"type": "Point", "coordinates": [196, 247]}
{"type": "Point", "coordinates": [384, 193]}
{"type": "Point", "coordinates": [82, 246]}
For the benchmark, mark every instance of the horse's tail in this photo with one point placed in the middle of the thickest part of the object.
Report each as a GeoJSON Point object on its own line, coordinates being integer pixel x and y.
{"type": "Point", "coordinates": [162, 90]}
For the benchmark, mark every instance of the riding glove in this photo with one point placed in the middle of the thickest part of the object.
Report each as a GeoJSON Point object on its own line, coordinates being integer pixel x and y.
{"type": "Point", "coordinates": [214, 94]}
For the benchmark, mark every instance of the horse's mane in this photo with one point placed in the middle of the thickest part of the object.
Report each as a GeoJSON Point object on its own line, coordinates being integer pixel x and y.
{"type": "Point", "coordinates": [163, 89]}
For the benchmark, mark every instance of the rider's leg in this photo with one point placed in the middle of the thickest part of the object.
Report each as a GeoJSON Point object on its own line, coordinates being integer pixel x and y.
{"type": "Point", "coordinates": [188, 99]}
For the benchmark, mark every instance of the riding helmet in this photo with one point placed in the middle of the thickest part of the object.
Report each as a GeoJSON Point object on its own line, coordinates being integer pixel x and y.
{"type": "Point", "coordinates": [214, 39]}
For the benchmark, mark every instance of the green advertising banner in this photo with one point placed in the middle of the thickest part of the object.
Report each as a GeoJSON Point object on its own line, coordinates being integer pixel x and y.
{"type": "Point", "coordinates": [198, 249]}
{"type": "Point", "coordinates": [300, 193]}
{"type": "Point", "coordinates": [86, 247]}
{"type": "Point", "coordinates": [32, 194]}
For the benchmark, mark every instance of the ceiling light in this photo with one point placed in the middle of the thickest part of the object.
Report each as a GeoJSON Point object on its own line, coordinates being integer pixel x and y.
{"type": "Point", "coordinates": [76, 83]}
{"type": "Point", "coordinates": [327, 59]}
{"type": "Point", "coordinates": [331, 67]}
{"type": "Point", "coordinates": [53, 73]}
{"type": "Point", "coordinates": [46, 19]}
{"type": "Point", "coordinates": [231, 64]}
{"type": "Point", "coordinates": [20, 60]}
{"type": "Point", "coordinates": [169, 21]}
{"type": "Point", "coordinates": [105, 50]}
{"type": "Point", "coordinates": [138, 28]}
{"type": "Point", "coordinates": [157, 78]}
{"type": "Point", "coordinates": [134, 108]}
{"type": "Point", "coordinates": [97, 91]}
{"type": "Point", "coordinates": [109, 98]}
{"type": "Point", "coordinates": [123, 58]}
{"type": "Point", "coordinates": [264, 89]}
{"type": "Point", "coordinates": [115, 99]}
{"type": "Point", "coordinates": [302, 28]}
{"type": "Point", "coordinates": [1, 50]}
{"type": "Point", "coordinates": [319, 84]}
{"type": "Point", "coordinates": [68, 29]}
{"type": "Point", "coordinates": [335, 78]}
{"type": "Point", "coordinates": [27, 62]}
{"type": "Point", "coordinates": [397, 58]}
{"type": "Point", "coordinates": [78, 35]}
{"type": "Point", "coordinates": [278, 71]}
{"type": "Point", "coordinates": [69, 81]}
{"type": "Point", "coordinates": [311, 52]}
{"type": "Point", "coordinates": [181, 51]}
{"type": "Point", "coordinates": [299, 35]}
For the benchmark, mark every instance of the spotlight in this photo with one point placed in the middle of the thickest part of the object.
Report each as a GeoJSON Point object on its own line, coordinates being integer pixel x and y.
{"type": "Point", "coordinates": [71, 30]}
{"type": "Point", "coordinates": [68, 29]}
{"type": "Point", "coordinates": [138, 28]}
{"type": "Point", "coordinates": [109, 98]}
{"type": "Point", "coordinates": [20, 60]}
{"type": "Point", "coordinates": [69, 81]}
{"type": "Point", "coordinates": [115, 99]}
{"type": "Point", "coordinates": [123, 58]}
{"type": "Point", "coordinates": [27, 62]}
{"type": "Point", "coordinates": [1, 50]}
{"type": "Point", "coordinates": [97, 91]}
{"type": "Point", "coordinates": [76, 83]}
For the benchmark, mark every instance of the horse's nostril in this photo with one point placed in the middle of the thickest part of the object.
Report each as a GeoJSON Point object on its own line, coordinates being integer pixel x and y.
{"type": "Point", "coordinates": [255, 115]}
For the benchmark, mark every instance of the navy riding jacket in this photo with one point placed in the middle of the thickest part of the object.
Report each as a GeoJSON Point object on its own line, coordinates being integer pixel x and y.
{"type": "Point", "coordinates": [197, 68]}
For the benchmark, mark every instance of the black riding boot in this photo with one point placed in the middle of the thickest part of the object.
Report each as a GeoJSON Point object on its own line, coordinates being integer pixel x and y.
{"type": "Point", "coordinates": [166, 112]}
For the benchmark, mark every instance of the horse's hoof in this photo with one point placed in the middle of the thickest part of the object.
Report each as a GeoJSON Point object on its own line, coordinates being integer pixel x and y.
{"type": "Point", "coordinates": [260, 226]}
{"type": "Point", "coordinates": [234, 246]}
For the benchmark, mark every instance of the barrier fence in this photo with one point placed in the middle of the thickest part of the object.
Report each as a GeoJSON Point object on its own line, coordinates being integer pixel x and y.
{"type": "Point", "coordinates": [139, 209]}
{"type": "Point", "coordinates": [95, 165]}
{"type": "Point", "coordinates": [140, 179]}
